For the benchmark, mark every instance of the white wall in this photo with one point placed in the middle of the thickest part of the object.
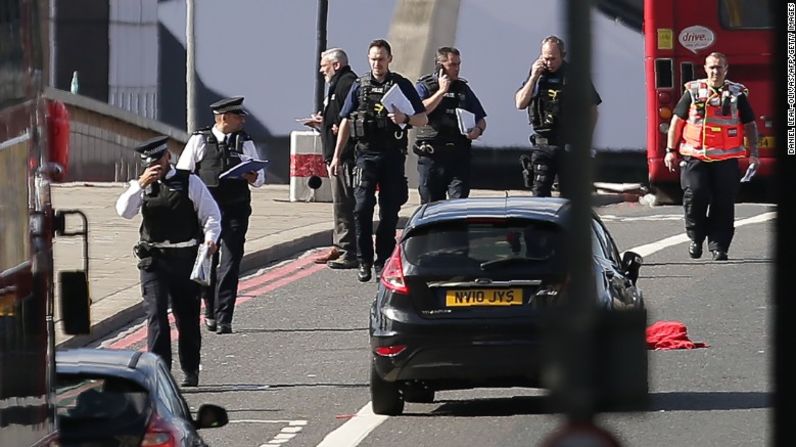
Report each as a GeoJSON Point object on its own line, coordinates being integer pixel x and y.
{"type": "Point", "coordinates": [133, 59]}
{"type": "Point", "coordinates": [499, 40]}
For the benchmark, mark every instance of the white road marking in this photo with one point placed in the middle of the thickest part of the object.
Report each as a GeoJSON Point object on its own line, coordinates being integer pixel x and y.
{"type": "Point", "coordinates": [355, 430]}
{"type": "Point", "coordinates": [653, 218]}
{"type": "Point", "coordinates": [648, 249]}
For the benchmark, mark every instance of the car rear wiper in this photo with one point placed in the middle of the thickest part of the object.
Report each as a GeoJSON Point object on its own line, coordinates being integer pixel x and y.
{"type": "Point", "coordinates": [514, 260]}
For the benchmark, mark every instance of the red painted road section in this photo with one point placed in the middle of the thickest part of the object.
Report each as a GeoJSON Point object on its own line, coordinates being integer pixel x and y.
{"type": "Point", "coordinates": [247, 290]}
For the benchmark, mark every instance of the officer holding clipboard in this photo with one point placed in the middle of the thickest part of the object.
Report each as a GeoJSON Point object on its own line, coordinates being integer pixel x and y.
{"type": "Point", "coordinates": [211, 152]}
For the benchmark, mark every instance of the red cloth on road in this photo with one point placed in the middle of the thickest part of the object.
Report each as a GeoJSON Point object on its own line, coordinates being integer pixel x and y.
{"type": "Point", "coordinates": [663, 335]}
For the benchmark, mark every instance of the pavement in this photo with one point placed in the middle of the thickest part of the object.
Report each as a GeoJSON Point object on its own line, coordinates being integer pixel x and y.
{"type": "Point", "coordinates": [278, 230]}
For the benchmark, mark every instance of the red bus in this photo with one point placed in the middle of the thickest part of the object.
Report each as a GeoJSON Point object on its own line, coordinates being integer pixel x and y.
{"type": "Point", "coordinates": [678, 35]}
{"type": "Point", "coordinates": [34, 136]}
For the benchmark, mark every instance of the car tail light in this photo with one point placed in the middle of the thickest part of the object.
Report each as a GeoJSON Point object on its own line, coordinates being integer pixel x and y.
{"type": "Point", "coordinates": [159, 433]}
{"type": "Point", "coordinates": [390, 351]}
{"type": "Point", "coordinates": [392, 275]}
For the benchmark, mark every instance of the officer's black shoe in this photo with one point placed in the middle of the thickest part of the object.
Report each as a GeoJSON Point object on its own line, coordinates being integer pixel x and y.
{"type": "Point", "coordinates": [343, 264]}
{"type": "Point", "coordinates": [695, 250]}
{"type": "Point", "coordinates": [191, 379]}
{"type": "Point", "coordinates": [363, 275]}
{"type": "Point", "coordinates": [224, 329]}
{"type": "Point", "coordinates": [210, 324]}
{"type": "Point", "coordinates": [719, 255]}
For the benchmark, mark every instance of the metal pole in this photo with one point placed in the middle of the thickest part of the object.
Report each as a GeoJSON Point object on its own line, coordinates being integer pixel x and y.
{"type": "Point", "coordinates": [581, 404]}
{"type": "Point", "coordinates": [323, 9]}
{"type": "Point", "coordinates": [190, 67]}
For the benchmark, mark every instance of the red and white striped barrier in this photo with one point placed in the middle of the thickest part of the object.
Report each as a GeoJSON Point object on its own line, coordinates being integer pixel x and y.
{"type": "Point", "coordinates": [309, 181]}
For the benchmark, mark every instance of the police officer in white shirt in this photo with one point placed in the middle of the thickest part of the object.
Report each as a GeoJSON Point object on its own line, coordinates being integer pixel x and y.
{"type": "Point", "coordinates": [178, 214]}
{"type": "Point", "coordinates": [209, 153]}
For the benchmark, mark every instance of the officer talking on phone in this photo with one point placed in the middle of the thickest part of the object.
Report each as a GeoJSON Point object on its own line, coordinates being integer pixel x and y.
{"type": "Point", "coordinates": [443, 149]}
{"type": "Point", "coordinates": [209, 153]}
{"type": "Point", "coordinates": [542, 95]}
{"type": "Point", "coordinates": [178, 214]}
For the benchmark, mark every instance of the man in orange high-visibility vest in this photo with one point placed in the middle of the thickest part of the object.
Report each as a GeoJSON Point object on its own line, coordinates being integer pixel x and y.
{"type": "Point", "coordinates": [708, 129]}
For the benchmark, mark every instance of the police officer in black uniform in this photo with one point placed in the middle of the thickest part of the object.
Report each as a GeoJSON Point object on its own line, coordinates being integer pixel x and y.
{"type": "Point", "coordinates": [443, 150]}
{"type": "Point", "coordinates": [381, 144]}
{"type": "Point", "coordinates": [209, 152]}
{"type": "Point", "coordinates": [178, 214]}
{"type": "Point", "coordinates": [542, 94]}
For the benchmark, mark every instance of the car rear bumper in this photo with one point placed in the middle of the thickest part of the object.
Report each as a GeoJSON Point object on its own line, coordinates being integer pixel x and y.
{"type": "Point", "coordinates": [499, 353]}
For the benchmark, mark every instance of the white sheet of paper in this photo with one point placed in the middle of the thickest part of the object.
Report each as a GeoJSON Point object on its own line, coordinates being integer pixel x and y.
{"type": "Point", "coordinates": [202, 266]}
{"type": "Point", "coordinates": [395, 99]}
{"type": "Point", "coordinates": [750, 172]}
{"type": "Point", "coordinates": [466, 120]}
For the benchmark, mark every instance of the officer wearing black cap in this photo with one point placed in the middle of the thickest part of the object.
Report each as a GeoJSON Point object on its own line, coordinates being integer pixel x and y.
{"type": "Point", "coordinates": [178, 214]}
{"type": "Point", "coordinates": [209, 152]}
{"type": "Point", "coordinates": [381, 145]}
{"type": "Point", "coordinates": [443, 150]}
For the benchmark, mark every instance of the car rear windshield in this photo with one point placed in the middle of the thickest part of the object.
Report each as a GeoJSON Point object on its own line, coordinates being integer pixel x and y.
{"type": "Point", "coordinates": [97, 399]}
{"type": "Point", "coordinates": [478, 241]}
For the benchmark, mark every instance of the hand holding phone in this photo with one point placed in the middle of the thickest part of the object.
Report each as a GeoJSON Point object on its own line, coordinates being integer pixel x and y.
{"type": "Point", "coordinates": [539, 66]}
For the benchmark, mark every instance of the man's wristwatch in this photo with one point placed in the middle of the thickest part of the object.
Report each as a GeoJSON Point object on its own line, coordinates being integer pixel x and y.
{"type": "Point", "coordinates": [670, 150]}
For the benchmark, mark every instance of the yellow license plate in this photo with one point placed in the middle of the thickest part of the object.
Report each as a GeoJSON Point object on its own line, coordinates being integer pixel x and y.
{"type": "Point", "coordinates": [483, 297]}
{"type": "Point", "coordinates": [762, 142]}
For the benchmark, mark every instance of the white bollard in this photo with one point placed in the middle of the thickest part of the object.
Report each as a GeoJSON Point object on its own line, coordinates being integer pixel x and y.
{"type": "Point", "coordinates": [307, 167]}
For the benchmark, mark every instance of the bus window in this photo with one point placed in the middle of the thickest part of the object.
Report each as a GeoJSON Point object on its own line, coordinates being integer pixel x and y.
{"type": "Point", "coordinates": [12, 85]}
{"type": "Point", "coordinates": [664, 76]}
{"type": "Point", "coordinates": [745, 14]}
{"type": "Point", "coordinates": [686, 72]}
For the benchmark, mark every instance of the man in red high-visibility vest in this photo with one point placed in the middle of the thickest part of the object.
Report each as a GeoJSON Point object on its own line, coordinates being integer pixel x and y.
{"type": "Point", "coordinates": [708, 129]}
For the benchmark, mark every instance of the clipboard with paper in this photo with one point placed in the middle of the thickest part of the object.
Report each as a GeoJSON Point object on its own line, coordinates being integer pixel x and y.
{"type": "Point", "coordinates": [395, 99]}
{"type": "Point", "coordinates": [243, 167]}
{"type": "Point", "coordinates": [466, 120]}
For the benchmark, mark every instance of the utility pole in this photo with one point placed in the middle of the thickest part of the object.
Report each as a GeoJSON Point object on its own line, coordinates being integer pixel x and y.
{"type": "Point", "coordinates": [323, 9]}
{"type": "Point", "coordinates": [190, 68]}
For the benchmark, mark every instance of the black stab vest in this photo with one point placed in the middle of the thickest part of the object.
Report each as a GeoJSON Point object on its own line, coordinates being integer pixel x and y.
{"type": "Point", "coordinates": [218, 158]}
{"type": "Point", "coordinates": [372, 129]}
{"type": "Point", "coordinates": [443, 126]}
{"type": "Point", "coordinates": [168, 212]}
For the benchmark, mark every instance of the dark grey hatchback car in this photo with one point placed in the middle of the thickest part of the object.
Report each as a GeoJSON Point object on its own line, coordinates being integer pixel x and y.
{"type": "Point", "coordinates": [461, 300]}
{"type": "Point", "coordinates": [124, 398]}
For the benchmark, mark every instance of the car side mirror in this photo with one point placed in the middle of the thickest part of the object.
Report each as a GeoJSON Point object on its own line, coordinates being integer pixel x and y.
{"type": "Point", "coordinates": [75, 302]}
{"type": "Point", "coordinates": [631, 263]}
{"type": "Point", "coordinates": [211, 416]}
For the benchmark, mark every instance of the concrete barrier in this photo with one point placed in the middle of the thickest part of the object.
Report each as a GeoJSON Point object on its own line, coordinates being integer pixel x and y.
{"type": "Point", "coordinates": [309, 181]}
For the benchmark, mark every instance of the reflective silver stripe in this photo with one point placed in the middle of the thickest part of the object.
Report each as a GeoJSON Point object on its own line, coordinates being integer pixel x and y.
{"type": "Point", "coordinates": [687, 149]}
{"type": "Point", "coordinates": [167, 244]}
{"type": "Point", "coordinates": [721, 121]}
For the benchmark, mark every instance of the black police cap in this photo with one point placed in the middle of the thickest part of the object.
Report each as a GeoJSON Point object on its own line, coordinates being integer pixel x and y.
{"type": "Point", "coordinates": [228, 105]}
{"type": "Point", "coordinates": [153, 149]}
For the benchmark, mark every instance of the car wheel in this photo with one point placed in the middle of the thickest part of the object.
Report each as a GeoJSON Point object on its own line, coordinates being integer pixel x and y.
{"type": "Point", "coordinates": [385, 396]}
{"type": "Point", "coordinates": [419, 394]}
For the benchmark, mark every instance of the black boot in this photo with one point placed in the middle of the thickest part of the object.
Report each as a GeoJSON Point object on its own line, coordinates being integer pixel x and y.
{"type": "Point", "coordinates": [695, 250]}
{"type": "Point", "coordinates": [363, 275]}
{"type": "Point", "coordinates": [719, 255]}
{"type": "Point", "coordinates": [191, 379]}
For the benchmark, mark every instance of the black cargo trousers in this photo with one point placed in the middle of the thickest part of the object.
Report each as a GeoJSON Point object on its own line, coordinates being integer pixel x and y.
{"type": "Point", "coordinates": [385, 170]}
{"type": "Point", "coordinates": [165, 280]}
{"type": "Point", "coordinates": [709, 192]}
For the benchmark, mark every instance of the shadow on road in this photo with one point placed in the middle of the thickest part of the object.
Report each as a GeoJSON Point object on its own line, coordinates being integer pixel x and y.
{"type": "Point", "coordinates": [535, 405]}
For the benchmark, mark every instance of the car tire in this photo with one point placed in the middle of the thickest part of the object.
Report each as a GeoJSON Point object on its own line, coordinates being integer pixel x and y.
{"type": "Point", "coordinates": [418, 394]}
{"type": "Point", "coordinates": [385, 396]}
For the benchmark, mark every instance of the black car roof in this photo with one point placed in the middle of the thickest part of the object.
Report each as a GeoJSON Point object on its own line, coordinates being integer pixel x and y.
{"type": "Point", "coordinates": [548, 209]}
{"type": "Point", "coordinates": [133, 365]}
